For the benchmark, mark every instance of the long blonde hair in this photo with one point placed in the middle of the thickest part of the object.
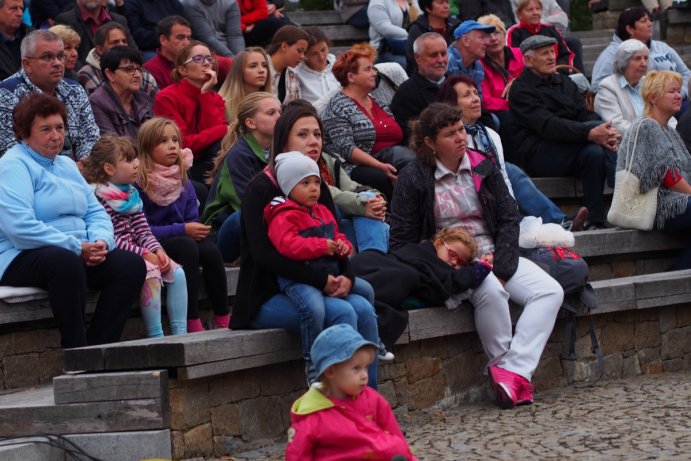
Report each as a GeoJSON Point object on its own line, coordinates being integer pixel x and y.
{"type": "Point", "coordinates": [233, 88]}
{"type": "Point", "coordinates": [150, 136]}
{"type": "Point", "coordinates": [247, 108]}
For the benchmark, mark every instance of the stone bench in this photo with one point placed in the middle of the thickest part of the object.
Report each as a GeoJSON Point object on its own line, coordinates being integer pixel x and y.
{"type": "Point", "coordinates": [331, 24]}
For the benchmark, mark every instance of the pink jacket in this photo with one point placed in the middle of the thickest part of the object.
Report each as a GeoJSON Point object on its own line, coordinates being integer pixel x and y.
{"type": "Point", "coordinates": [493, 83]}
{"type": "Point", "coordinates": [327, 429]}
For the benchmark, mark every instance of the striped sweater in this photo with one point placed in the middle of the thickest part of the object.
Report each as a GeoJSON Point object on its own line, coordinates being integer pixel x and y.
{"type": "Point", "coordinates": [132, 231]}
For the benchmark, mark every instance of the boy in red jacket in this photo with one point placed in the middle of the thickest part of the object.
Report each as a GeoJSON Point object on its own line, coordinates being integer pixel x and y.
{"type": "Point", "coordinates": [303, 229]}
{"type": "Point", "coordinates": [344, 419]}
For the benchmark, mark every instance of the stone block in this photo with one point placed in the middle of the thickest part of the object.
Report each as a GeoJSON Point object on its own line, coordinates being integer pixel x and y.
{"type": "Point", "coordinates": [668, 320]}
{"type": "Point", "coordinates": [388, 391]}
{"type": "Point", "coordinates": [426, 392]}
{"type": "Point", "coordinates": [259, 417]}
{"type": "Point", "coordinates": [220, 388]}
{"type": "Point", "coordinates": [287, 401]}
{"type": "Point", "coordinates": [631, 366]}
{"type": "Point", "coordinates": [617, 337]}
{"type": "Point", "coordinates": [614, 365]}
{"type": "Point", "coordinates": [50, 364]}
{"type": "Point", "coordinates": [646, 334]}
{"type": "Point", "coordinates": [125, 446]}
{"type": "Point", "coordinates": [422, 367]}
{"type": "Point", "coordinates": [224, 446]}
{"type": "Point", "coordinates": [648, 315]}
{"type": "Point", "coordinates": [35, 341]}
{"type": "Point", "coordinates": [402, 391]}
{"type": "Point", "coordinates": [225, 420]}
{"type": "Point", "coordinates": [458, 344]}
{"type": "Point", "coordinates": [237, 386]}
{"type": "Point", "coordinates": [21, 370]}
{"type": "Point", "coordinates": [600, 272]}
{"type": "Point", "coordinates": [391, 370]}
{"type": "Point", "coordinates": [178, 443]}
{"type": "Point", "coordinates": [189, 406]}
{"type": "Point", "coordinates": [647, 356]}
{"type": "Point", "coordinates": [652, 368]}
{"type": "Point", "coordinates": [675, 343]}
{"type": "Point", "coordinates": [576, 371]}
{"type": "Point", "coordinates": [283, 378]}
{"type": "Point", "coordinates": [463, 371]}
{"type": "Point", "coordinates": [687, 362]}
{"type": "Point", "coordinates": [434, 347]}
{"type": "Point", "coordinates": [673, 365]}
{"type": "Point", "coordinates": [683, 314]}
{"type": "Point", "coordinates": [198, 441]}
{"type": "Point", "coordinates": [5, 345]}
{"type": "Point", "coordinates": [624, 269]}
{"type": "Point", "coordinates": [405, 352]}
{"type": "Point", "coordinates": [549, 373]}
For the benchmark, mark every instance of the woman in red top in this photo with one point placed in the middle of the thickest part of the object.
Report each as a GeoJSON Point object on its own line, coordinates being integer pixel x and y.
{"type": "Point", "coordinates": [361, 129]}
{"type": "Point", "coordinates": [260, 20]}
{"type": "Point", "coordinates": [194, 106]}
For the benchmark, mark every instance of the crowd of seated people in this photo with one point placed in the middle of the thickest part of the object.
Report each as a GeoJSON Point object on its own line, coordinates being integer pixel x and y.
{"type": "Point", "coordinates": [229, 135]}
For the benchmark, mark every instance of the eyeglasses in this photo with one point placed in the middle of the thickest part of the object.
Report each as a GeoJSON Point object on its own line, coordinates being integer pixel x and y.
{"type": "Point", "coordinates": [452, 254]}
{"type": "Point", "coordinates": [199, 59]}
{"type": "Point", "coordinates": [131, 69]}
{"type": "Point", "coordinates": [49, 57]}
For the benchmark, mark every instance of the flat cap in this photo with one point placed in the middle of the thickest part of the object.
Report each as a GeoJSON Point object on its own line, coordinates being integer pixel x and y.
{"type": "Point", "coordinates": [537, 41]}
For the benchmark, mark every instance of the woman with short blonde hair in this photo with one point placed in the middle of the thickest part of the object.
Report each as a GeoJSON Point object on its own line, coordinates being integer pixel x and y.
{"type": "Point", "coordinates": [70, 41]}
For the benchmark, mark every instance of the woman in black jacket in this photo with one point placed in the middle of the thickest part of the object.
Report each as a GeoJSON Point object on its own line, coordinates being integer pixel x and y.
{"type": "Point", "coordinates": [449, 185]}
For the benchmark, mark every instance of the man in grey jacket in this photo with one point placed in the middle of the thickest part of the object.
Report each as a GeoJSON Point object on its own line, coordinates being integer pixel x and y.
{"type": "Point", "coordinates": [216, 23]}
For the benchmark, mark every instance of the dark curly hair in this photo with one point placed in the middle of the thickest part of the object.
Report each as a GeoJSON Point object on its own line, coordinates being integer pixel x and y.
{"type": "Point", "coordinates": [35, 105]}
{"type": "Point", "coordinates": [432, 120]}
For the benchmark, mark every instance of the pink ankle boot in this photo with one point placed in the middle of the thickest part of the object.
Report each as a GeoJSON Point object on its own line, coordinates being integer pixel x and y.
{"type": "Point", "coordinates": [222, 321]}
{"type": "Point", "coordinates": [194, 325]}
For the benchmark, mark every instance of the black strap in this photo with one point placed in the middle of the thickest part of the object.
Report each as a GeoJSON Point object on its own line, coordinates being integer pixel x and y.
{"type": "Point", "coordinates": [570, 345]}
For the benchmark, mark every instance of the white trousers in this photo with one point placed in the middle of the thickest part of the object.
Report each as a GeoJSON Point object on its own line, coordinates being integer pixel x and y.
{"type": "Point", "coordinates": [541, 297]}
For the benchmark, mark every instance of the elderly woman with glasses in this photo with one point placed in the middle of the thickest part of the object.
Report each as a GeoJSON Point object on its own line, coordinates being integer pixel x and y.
{"type": "Point", "coordinates": [619, 97]}
{"type": "Point", "coordinates": [120, 105]}
{"type": "Point", "coordinates": [194, 106]}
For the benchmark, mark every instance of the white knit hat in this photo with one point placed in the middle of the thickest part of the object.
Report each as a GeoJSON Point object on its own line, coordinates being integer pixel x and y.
{"type": "Point", "coordinates": [293, 167]}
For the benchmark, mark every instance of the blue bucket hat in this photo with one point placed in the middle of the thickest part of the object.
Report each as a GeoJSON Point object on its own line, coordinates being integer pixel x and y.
{"type": "Point", "coordinates": [336, 344]}
{"type": "Point", "coordinates": [470, 25]}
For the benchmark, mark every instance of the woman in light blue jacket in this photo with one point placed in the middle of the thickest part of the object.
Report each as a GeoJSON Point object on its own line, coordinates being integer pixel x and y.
{"type": "Point", "coordinates": [55, 235]}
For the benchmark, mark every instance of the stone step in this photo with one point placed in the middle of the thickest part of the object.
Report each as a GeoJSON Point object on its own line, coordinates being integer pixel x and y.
{"type": "Point", "coordinates": [222, 351]}
{"type": "Point", "coordinates": [34, 411]}
{"type": "Point", "coordinates": [112, 446]}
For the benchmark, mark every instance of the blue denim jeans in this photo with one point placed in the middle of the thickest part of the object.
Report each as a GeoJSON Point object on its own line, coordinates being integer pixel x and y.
{"type": "Point", "coordinates": [365, 233]}
{"type": "Point", "coordinates": [678, 224]}
{"type": "Point", "coordinates": [228, 238]}
{"type": "Point", "coordinates": [532, 202]}
{"type": "Point", "coordinates": [315, 311]}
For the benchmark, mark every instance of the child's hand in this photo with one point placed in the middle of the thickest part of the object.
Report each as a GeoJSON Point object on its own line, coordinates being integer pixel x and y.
{"type": "Point", "coordinates": [488, 258]}
{"type": "Point", "coordinates": [164, 260]}
{"type": "Point", "coordinates": [197, 231]}
{"type": "Point", "coordinates": [342, 248]}
{"type": "Point", "coordinates": [152, 258]}
{"type": "Point", "coordinates": [331, 247]}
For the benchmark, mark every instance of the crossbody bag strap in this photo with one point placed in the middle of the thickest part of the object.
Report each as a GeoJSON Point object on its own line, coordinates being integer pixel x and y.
{"type": "Point", "coordinates": [635, 141]}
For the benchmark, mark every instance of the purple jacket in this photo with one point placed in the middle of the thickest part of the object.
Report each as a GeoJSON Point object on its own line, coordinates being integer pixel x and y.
{"type": "Point", "coordinates": [169, 221]}
{"type": "Point", "coordinates": [111, 117]}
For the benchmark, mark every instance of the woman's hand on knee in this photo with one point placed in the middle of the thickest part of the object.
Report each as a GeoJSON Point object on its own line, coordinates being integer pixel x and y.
{"type": "Point", "coordinates": [344, 287]}
{"type": "Point", "coordinates": [94, 253]}
{"type": "Point", "coordinates": [331, 285]}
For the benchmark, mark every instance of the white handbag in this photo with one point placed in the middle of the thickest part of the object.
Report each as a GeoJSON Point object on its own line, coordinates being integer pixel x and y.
{"type": "Point", "coordinates": [630, 208]}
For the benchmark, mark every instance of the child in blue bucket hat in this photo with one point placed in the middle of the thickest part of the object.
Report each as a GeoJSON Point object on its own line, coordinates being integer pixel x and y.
{"type": "Point", "coordinates": [341, 418]}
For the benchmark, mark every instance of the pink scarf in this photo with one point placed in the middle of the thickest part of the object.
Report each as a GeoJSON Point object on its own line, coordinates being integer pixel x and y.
{"type": "Point", "coordinates": [165, 182]}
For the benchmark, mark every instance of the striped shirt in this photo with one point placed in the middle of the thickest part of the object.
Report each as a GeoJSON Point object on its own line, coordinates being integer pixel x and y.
{"type": "Point", "coordinates": [132, 231]}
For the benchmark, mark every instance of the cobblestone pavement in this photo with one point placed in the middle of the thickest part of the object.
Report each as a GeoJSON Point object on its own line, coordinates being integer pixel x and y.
{"type": "Point", "coordinates": [647, 417]}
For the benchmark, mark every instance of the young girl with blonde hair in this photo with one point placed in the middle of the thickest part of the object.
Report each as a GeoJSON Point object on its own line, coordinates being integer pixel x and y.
{"type": "Point", "coordinates": [111, 169]}
{"type": "Point", "coordinates": [244, 153]}
{"type": "Point", "coordinates": [249, 74]}
{"type": "Point", "coordinates": [170, 204]}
